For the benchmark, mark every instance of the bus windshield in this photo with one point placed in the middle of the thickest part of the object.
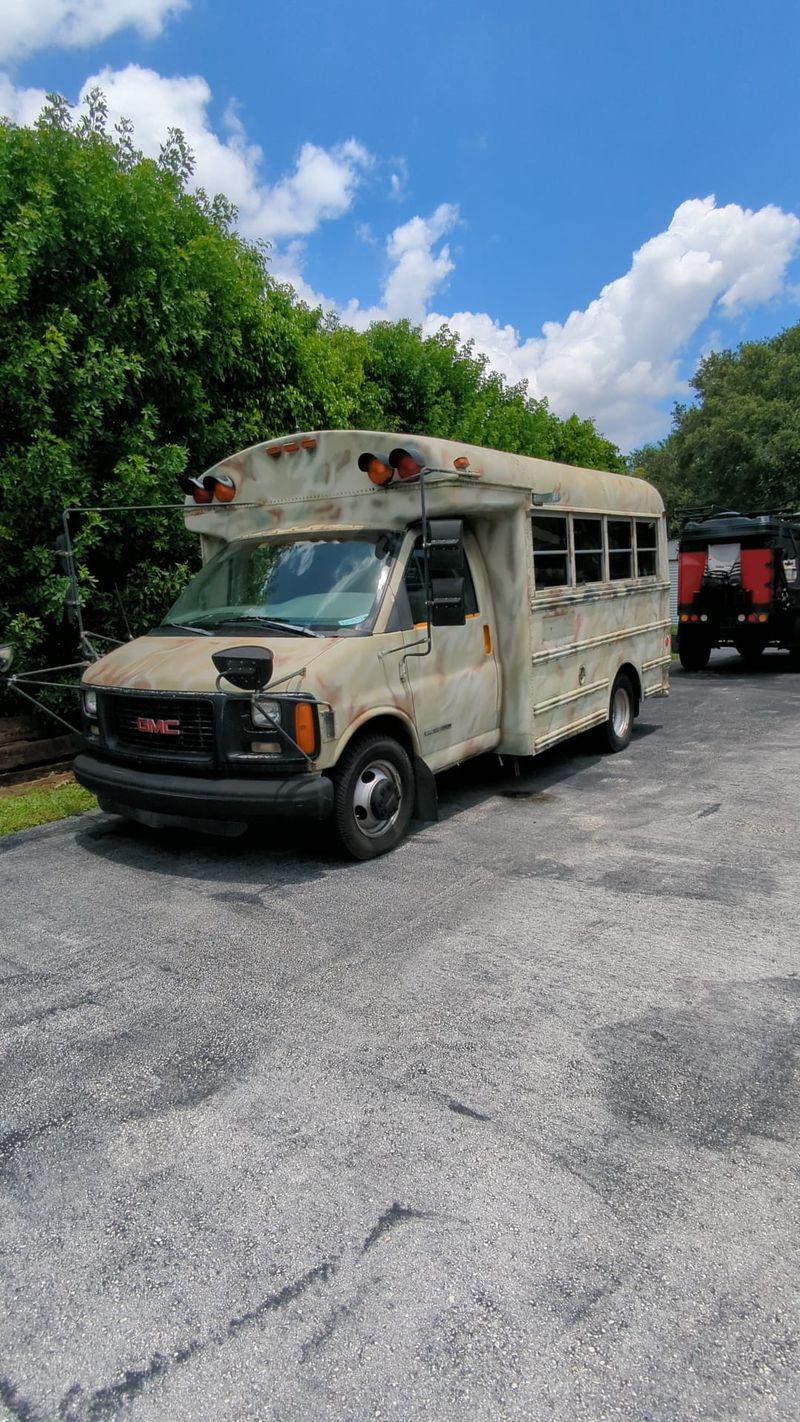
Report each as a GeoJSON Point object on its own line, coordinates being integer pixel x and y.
{"type": "Point", "coordinates": [317, 584]}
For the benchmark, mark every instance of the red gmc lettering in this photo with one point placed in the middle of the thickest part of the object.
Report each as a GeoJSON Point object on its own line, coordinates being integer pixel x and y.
{"type": "Point", "coordinates": [157, 728]}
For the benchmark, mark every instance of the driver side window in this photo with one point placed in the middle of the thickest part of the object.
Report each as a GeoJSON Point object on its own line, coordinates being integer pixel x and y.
{"type": "Point", "coordinates": [414, 585]}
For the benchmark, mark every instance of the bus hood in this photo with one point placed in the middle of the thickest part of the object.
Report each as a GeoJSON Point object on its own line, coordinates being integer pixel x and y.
{"type": "Point", "coordinates": [184, 663]}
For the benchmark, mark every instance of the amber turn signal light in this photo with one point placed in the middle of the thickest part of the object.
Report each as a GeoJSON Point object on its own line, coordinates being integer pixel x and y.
{"type": "Point", "coordinates": [305, 734]}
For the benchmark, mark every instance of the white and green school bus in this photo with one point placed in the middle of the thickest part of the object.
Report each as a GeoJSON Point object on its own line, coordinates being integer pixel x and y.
{"type": "Point", "coordinates": [373, 609]}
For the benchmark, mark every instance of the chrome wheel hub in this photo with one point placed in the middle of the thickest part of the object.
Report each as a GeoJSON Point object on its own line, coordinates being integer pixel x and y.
{"type": "Point", "coordinates": [621, 712]}
{"type": "Point", "coordinates": [376, 798]}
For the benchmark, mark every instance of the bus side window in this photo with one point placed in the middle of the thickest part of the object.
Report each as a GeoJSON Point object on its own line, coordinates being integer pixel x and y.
{"type": "Point", "coordinates": [550, 552]}
{"type": "Point", "coordinates": [620, 548]}
{"type": "Point", "coordinates": [588, 536]}
{"type": "Point", "coordinates": [414, 584]}
{"type": "Point", "coordinates": [646, 545]}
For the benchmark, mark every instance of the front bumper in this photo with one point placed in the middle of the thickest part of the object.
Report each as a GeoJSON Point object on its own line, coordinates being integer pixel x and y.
{"type": "Point", "coordinates": [155, 797]}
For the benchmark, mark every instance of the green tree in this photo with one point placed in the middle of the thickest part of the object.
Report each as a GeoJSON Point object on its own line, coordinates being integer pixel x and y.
{"type": "Point", "coordinates": [438, 386]}
{"type": "Point", "coordinates": [739, 445]}
{"type": "Point", "coordinates": [136, 341]}
{"type": "Point", "coordinates": [140, 337]}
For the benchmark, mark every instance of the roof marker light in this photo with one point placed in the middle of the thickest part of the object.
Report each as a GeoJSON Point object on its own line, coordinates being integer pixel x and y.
{"type": "Point", "coordinates": [406, 464]}
{"type": "Point", "coordinates": [376, 469]}
{"type": "Point", "coordinates": [224, 488]}
{"type": "Point", "coordinates": [292, 447]}
{"type": "Point", "coordinates": [200, 488]}
{"type": "Point", "coordinates": [274, 451]}
{"type": "Point", "coordinates": [461, 463]}
{"type": "Point", "coordinates": [308, 444]}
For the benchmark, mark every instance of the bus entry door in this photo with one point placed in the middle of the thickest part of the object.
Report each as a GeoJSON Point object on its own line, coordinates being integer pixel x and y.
{"type": "Point", "coordinates": [456, 687]}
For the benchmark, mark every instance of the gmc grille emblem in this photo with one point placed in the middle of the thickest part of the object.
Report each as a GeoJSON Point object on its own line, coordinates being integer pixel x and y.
{"type": "Point", "coordinates": [149, 727]}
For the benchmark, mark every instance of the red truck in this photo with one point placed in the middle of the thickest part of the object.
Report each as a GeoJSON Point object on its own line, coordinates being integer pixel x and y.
{"type": "Point", "coordinates": [738, 585]}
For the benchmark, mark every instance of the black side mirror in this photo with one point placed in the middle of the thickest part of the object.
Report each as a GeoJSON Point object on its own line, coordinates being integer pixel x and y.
{"type": "Point", "coordinates": [446, 563]}
{"type": "Point", "coordinates": [249, 668]}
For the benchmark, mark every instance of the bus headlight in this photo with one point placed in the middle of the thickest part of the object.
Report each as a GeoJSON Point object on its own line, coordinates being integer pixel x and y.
{"type": "Point", "coordinates": [90, 703]}
{"type": "Point", "coordinates": [265, 714]}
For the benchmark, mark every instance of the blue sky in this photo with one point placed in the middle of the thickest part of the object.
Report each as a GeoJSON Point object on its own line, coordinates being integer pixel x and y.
{"type": "Point", "coordinates": [496, 167]}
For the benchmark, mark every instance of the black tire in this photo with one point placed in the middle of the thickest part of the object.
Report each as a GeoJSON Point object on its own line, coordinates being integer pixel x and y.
{"type": "Point", "coordinates": [615, 734]}
{"type": "Point", "coordinates": [373, 796]}
{"type": "Point", "coordinates": [693, 651]}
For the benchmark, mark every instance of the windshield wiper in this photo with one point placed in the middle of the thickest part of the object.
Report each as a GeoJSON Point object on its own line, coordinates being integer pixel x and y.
{"type": "Point", "coordinates": [263, 622]}
{"type": "Point", "coordinates": [181, 627]}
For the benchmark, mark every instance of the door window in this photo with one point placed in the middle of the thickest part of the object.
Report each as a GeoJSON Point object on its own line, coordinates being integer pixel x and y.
{"type": "Point", "coordinates": [414, 584]}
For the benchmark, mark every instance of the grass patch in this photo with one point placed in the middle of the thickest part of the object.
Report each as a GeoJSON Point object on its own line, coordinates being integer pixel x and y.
{"type": "Point", "coordinates": [24, 807]}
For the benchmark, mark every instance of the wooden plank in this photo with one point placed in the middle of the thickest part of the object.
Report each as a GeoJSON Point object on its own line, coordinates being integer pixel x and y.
{"type": "Point", "coordinates": [25, 753]}
{"type": "Point", "coordinates": [19, 728]}
{"type": "Point", "coordinates": [33, 774]}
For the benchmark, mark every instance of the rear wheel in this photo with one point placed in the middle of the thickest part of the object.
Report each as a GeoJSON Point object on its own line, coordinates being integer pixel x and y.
{"type": "Point", "coordinates": [616, 734]}
{"type": "Point", "coordinates": [694, 650]}
{"type": "Point", "coordinates": [750, 649]}
{"type": "Point", "coordinates": [373, 796]}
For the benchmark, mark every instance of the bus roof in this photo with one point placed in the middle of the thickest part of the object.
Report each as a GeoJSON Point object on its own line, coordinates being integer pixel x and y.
{"type": "Point", "coordinates": [327, 475]}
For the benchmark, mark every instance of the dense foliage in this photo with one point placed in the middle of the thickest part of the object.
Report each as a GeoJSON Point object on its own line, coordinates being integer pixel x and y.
{"type": "Point", "coordinates": [739, 446]}
{"type": "Point", "coordinates": [141, 337]}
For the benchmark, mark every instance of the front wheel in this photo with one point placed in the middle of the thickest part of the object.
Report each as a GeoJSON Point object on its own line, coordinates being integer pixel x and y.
{"type": "Point", "coordinates": [373, 796]}
{"type": "Point", "coordinates": [616, 733]}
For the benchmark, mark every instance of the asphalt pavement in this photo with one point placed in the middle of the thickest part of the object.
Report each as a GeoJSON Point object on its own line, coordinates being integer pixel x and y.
{"type": "Point", "coordinates": [503, 1125]}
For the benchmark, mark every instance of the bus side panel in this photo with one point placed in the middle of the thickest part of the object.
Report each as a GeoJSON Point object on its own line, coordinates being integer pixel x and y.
{"type": "Point", "coordinates": [581, 643]}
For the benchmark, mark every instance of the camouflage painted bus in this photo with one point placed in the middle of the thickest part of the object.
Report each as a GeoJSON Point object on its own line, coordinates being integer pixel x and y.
{"type": "Point", "coordinates": [371, 610]}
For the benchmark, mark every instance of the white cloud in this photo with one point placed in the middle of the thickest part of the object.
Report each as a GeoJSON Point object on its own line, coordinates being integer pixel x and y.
{"type": "Point", "coordinates": [21, 106]}
{"type": "Point", "coordinates": [321, 187]}
{"type": "Point", "coordinates": [398, 179]}
{"type": "Point", "coordinates": [365, 234]}
{"type": "Point", "coordinates": [416, 269]}
{"type": "Point", "coordinates": [31, 25]}
{"type": "Point", "coordinates": [619, 359]}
